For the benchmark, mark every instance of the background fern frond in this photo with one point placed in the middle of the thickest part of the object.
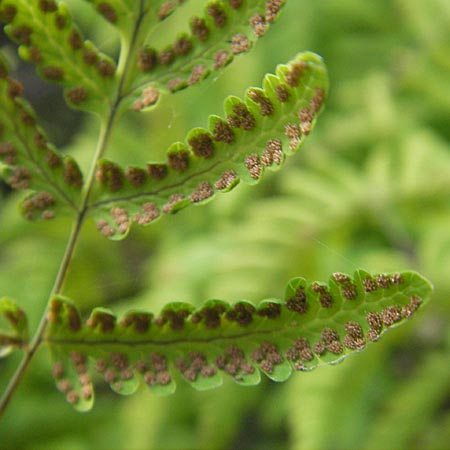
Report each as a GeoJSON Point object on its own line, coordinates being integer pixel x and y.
{"type": "Point", "coordinates": [412, 401]}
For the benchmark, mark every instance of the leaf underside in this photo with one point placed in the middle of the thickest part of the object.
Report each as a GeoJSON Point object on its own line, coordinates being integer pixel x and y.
{"type": "Point", "coordinates": [13, 327]}
{"type": "Point", "coordinates": [48, 38]}
{"type": "Point", "coordinates": [28, 161]}
{"type": "Point", "coordinates": [224, 30]}
{"type": "Point", "coordinates": [315, 324]}
{"type": "Point", "coordinates": [256, 135]}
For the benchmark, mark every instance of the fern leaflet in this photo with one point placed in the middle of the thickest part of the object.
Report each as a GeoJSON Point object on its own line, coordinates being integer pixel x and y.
{"type": "Point", "coordinates": [14, 330]}
{"type": "Point", "coordinates": [314, 324]}
{"type": "Point", "coordinates": [256, 135]}
{"type": "Point", "coordinates": [29, 161]}
{"type": "Point", "coordinates": [226, 29]}
{"type": "Point", "coordinates": [47, 37]}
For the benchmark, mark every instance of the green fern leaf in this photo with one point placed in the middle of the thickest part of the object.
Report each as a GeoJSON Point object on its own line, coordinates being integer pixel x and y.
{"type": "Point", "coordinates": [125, 14]}
{"type": "Point", "coordinates": [257, 135]}
{"type": "Point", "coordinates": [315, 324]}
{"type": "Point", "coordinates": [29, 161]}
{"type": "Point", "coordinates": [47, 37]}
{"type": "Point", "coordinates": [122, 14]}
{"type": "Point", "coordinates": [226, 29]}
{"type": "Point", "coordinates": [15, 335]}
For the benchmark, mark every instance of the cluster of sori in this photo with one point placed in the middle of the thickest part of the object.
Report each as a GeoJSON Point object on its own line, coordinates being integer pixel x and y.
{"type": "Point", "coordinates": [29, 160]}
{"type": "Point", "coordinates": [49, 38]}
{"type": "Point", "coordinates": [233, 149]}
{"type": "Point", "coordinates": [179, 65]}
{"type": "Point", "coordinates": [315, 324]}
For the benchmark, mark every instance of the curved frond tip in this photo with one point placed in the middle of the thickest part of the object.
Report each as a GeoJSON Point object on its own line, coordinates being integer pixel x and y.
{"type": "Point", "coordinates": [255, 135]}
{"type": "Point", "coordinates": [315, 324]}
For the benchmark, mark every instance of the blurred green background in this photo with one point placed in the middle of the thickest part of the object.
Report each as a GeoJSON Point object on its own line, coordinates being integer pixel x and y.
{"type": "Point", "coordinates": [370, 189]}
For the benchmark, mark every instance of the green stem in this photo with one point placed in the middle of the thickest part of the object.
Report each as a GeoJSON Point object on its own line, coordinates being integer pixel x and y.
{"type": "Point", "coordinates": [105, 133]}
{"type": "Point", "coordinates": [63, 269]}
{"type": "Point", "coordinates": [20, 371]}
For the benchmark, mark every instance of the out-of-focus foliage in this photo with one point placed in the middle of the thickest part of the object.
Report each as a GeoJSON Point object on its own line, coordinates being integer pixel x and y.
{"type": "Point", "coordinates": [370, 189]}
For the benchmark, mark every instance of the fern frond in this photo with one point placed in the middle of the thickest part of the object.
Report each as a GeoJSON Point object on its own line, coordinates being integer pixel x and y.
{"type": "Point", "coordinates": [226, 29]}
{"type": "Point", "coordinates": [315, 324]}
{"type": "Point", "coordinates": [29, 161]}
{"type": "Point", "coordinates": [134, 19]}
{"type": "Point", "coordinates": [48, 37]}
{"type": "Point", "coordinates": [256, 135]}
{"type": "Point", "coordinates": [16, 334]}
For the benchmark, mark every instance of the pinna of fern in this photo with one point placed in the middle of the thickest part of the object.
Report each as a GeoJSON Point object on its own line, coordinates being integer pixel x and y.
{"type": "Point", "coordinates": [93, 82]}
{"type": "Point", "coordinates": [315, 324]}
{"type": "Point", "coordinates": [211, 160]}
{"type": "Point", "coordinates": [256, 135]}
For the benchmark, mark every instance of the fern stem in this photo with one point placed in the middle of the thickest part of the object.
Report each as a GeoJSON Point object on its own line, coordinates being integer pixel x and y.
{"type": "Point", "coordinates": [105, 132]}
{"type": "Point", "coordinates": [127, 54]}
{"type": "Point", "coordinates": [63, 268]}
{"type": "Point", "coordinates": [15, 380]}
{"type": "Point", "coordinates": [37, 339]}
{"type": "Point", "coordinates": [103, 139]}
